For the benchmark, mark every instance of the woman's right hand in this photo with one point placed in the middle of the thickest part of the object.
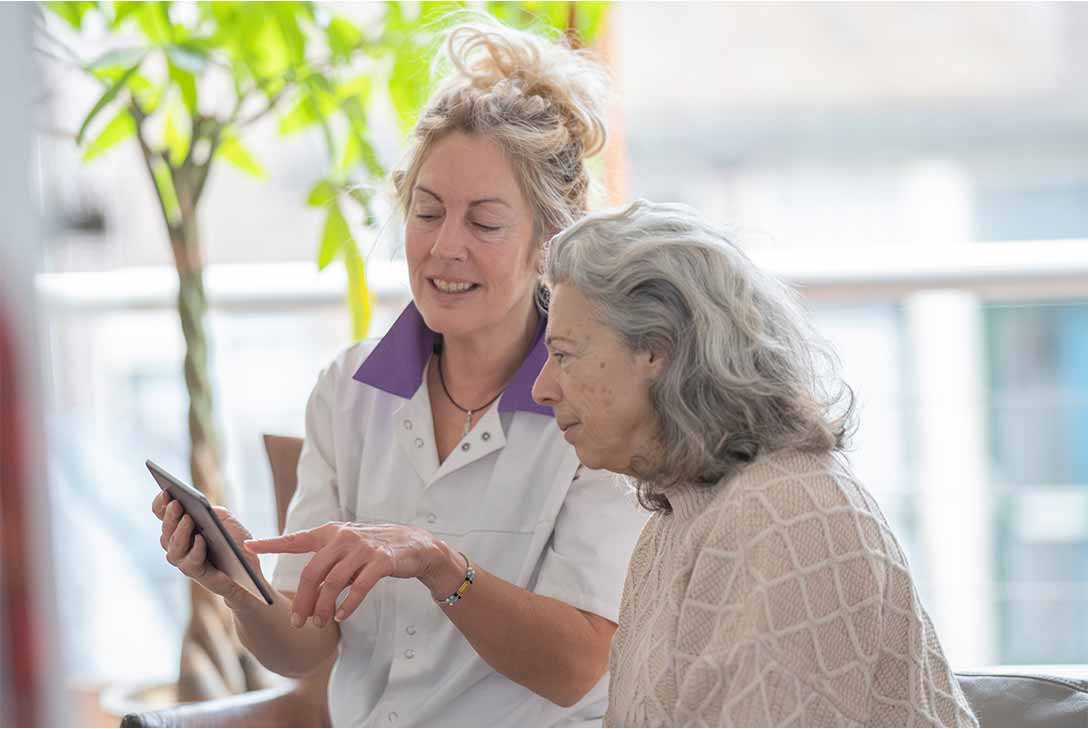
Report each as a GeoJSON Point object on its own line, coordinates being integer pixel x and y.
{"type": "Point", "coordinates": [187, 550]}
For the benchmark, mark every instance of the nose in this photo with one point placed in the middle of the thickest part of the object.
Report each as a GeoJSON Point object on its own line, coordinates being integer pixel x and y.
{"type": "Point", "coordinates": [546, 390]}
{"type": "Point", "coordinates": [448, 244]}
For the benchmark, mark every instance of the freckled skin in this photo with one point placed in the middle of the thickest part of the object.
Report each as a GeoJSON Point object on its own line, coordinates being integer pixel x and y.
{"type": "Point", "coordinates": [598, 388]}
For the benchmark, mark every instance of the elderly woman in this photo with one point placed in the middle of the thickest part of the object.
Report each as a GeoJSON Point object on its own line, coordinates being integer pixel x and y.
{"type": "Point", "coordinates": [443, 539]}
{"type": "Point", "coordinates": [766, 589]}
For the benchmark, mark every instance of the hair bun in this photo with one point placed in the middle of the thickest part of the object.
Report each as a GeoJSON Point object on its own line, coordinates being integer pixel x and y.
{"type": "Point", "coordinates": [492, 57]}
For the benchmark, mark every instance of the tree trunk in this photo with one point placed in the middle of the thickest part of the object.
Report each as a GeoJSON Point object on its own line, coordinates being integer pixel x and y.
{"type": "Point", "coordinates": [213, 661]}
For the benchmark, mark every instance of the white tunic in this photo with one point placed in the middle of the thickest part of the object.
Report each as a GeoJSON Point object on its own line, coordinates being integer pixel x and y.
{"type": "Point", "coordinates": [512, 496]}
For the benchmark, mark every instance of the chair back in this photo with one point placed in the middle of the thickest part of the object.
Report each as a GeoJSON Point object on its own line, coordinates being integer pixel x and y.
{"type": "Point", "coordinates": [283, 454]}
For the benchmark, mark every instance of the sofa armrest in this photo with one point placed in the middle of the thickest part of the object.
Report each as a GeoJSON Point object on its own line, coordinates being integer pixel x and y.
{"type": "Point", "coordinates": [270, 707]}
{"type": "Point", "coordinates": [303, 703]}
{"type": "Point", "coordinates": [1027, 696]}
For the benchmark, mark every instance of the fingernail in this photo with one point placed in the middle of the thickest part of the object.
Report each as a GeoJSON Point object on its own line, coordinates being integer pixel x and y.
{"type": "Point", "coordinates": [319, 622]}
{"type": "Point", "coordinates": [340, 615]}
{"type": "Point", "coordinates": [296, 620]}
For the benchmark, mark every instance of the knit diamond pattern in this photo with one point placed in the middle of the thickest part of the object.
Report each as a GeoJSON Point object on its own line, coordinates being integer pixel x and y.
{"type": "Point", "coordinates": [778, 598]}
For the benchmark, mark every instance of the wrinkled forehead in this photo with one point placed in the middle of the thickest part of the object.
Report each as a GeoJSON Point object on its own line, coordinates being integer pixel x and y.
{"type": "Point", "coordinates": [571, 315]}
{"type": "Point", "coordinates": [461, 169]}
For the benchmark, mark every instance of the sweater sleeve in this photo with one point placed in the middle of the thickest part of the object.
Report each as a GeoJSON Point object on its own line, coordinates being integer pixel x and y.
{"type": "Point", "coordinates": [801, 611]}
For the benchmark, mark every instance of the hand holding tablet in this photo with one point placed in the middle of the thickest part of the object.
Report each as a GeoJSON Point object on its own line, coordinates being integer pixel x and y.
{"type": "Point", "coordinates": [204, 541]}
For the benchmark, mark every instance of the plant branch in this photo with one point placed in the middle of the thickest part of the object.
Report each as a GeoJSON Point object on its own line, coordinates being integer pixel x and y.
{"type": "Point", "coordinates": [150, 157]}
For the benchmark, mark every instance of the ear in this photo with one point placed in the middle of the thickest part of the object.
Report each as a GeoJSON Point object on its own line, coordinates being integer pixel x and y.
{"type": "Point", "coordinates": [651, 364]}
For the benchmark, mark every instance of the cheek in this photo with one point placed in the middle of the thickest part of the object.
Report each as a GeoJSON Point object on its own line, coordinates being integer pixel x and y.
{"type": "Point", "coordinates": [597, 400]}
{"type": "Point", "coordinates": [416, 246]}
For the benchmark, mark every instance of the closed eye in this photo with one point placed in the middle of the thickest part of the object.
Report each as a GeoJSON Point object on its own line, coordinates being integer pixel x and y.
{"type": "Point", "coordinates": [487, 228]}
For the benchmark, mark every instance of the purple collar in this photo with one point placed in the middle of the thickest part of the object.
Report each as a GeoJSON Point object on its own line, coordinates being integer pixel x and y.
{"type": "Point", "coordinates": [396, 364]}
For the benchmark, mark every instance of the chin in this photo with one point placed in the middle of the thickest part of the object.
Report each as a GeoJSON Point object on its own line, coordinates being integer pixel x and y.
{"type": "Point", "coordinates": [590, 459]}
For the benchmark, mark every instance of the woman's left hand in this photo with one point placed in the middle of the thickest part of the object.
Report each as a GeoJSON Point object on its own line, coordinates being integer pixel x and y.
{"type": "Point", "coordinates": [356, 556]}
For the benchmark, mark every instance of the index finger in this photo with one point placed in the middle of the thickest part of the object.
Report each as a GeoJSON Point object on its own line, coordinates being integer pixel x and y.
{"type": "Point", "coordinates": [293, 543]}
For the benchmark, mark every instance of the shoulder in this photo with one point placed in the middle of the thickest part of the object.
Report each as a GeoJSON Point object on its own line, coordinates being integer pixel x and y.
{"type": "Point", "coordinates": [347, 361]}
{"type": "Point", "coordinates": [339, 372]}
{"type": "Point", "coordinates": [787, 499]}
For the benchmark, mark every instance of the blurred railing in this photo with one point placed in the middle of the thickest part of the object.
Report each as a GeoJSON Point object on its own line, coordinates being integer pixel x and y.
{"type": "Point", "coordinates": [940, 291]}
{"type": "Point", "coordinates": [1035, 270]}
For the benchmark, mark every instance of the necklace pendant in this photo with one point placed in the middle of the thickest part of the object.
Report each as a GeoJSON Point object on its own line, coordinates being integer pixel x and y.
{"type": "Point", "coordinates": [468, 423]}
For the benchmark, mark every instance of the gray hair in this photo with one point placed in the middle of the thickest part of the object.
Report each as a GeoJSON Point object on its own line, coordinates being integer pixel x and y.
{"type": "Point", "coordinates": [746, 374]}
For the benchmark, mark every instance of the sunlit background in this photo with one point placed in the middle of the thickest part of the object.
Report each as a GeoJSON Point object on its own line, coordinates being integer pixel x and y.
{"type": "Point", "coordinates": [920, 170]}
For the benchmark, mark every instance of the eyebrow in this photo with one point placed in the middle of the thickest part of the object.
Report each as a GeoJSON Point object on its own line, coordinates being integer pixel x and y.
{"type": "Point", "coordinates": [550, 341]}
{"type": "Point", "coordinates": [479, 201]}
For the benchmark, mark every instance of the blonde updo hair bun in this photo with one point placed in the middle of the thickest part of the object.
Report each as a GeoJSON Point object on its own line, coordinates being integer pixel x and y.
{"type": "Point", "coordinates": [542, 101]}
{"type": "Point", "coordinates": [503, 60]}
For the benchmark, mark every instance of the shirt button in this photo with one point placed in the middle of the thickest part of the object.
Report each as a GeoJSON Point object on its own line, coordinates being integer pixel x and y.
{"type": "Point", "coordinates": [419, 442]}
{"type": "Point", "coordinates": [465, 446]}
{"type": "Point", "coordinates": [393, 716]}
{"type": "Point", "coordinates": [407, 424]}
{"type": "Point", "coordinates": [485, 436]}
{"type": "Point", "coordinates": [410, 630]}
{"type": "Point", "coordinates": [432, 518]}
{"type": "Point", "coordinates": [409, 654]}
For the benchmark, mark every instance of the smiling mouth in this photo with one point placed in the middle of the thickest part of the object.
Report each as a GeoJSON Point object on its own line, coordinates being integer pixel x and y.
{"type": "Point", "coordinates": [446, 286]}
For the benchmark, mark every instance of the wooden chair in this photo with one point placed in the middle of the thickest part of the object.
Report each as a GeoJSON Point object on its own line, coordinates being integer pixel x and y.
{"type": "Point", "coordinates": [301, 702]}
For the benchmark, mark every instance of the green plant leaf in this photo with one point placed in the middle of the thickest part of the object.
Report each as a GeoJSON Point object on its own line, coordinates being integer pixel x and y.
{"type": "Point", "coordinates": [333, 237]}
{"type": "Point", "coordinates": [590, 19]}
{"type": "Point", "coordinates": [408, 85]}
{"type": "Point", "coordinates": [189, 57]}
{"type": "Point", "coordinates": [343, 37]}
{"type": "Point", "coordinates": [164, 184]}
{"type": "Point", "coordinates": [154, 20]}
{"type": "Point", "coordinates": [356, 88]}
{"type": "Point", "coordinates": [175, 139]}
{"type": "Point", "coordinates": [312, 106]}
{"type": "Point", "coordinates": [321, 194]}
{"type": "Point", "coordinates": [119, 58]}
{"type": "Point", "coordinates": [437, 12]}
{"type": "Point", "coordinates": [109, 95]}
{"type": "Point", "coordinates": [186, 83]}
{"type": "Point", "coordinates": [286, 14]}
{"type": "Point", "coordinates": [118, 129]}
{"type": "Point", "coordinates": [122, 11]}
{"type": "Point", "coordinates": [146, 93]}
{"type": "Point", "coordinates": [232, 151]}
{"type": "Point", "coordinates": [71, 12]}
{"type": "Point", "coordinates": [369, 156]}
{"type": "Point", "coordinates": [265, 50]}
{"type": "Point", "coordinates": [360, 298]}
{"type": "Point", "coordinates": [349, 155]}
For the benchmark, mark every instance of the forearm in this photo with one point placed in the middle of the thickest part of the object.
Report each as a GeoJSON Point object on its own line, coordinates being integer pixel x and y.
{"type": "Point", "coordinates": [546, 645]}
{"type": "Point", "coordinates": [267, 632]}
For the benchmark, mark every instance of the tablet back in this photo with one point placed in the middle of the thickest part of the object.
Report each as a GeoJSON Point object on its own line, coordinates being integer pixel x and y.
{"type": "Point", "coordinates": [224, 552]}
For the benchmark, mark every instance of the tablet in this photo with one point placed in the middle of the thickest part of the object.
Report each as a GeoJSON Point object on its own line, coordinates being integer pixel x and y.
{"type": "Point", "coordinates": [224, 553]}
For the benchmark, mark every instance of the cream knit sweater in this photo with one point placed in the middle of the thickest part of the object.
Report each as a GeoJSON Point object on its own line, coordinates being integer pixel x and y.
{"type": "Point", "coordinates": [777, 598]}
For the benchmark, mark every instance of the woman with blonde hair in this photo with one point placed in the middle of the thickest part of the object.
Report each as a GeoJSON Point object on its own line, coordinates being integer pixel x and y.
{"type": "Point", "coordinates": [767, 588]}
{"type": "Point", "coordinates": [444, 540]}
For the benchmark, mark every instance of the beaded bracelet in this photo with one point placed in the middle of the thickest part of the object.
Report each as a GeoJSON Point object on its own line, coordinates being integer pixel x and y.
{"type": "Point", "coordinates": [470, 577]}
